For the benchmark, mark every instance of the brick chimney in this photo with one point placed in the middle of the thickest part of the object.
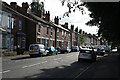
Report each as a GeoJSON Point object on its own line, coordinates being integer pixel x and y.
{"type": "Point", "coordinates": [83, 32]}
{"type": "Point", "coordinates": [40, 13]}
{"type": "Point", "coordinates": [76, 29]}
{"type": "Point", "coordinates": [14, 5]}
{"type": "Point", "coordinates": [80, 31]}
{"type": "Point", "coordinates": [56, 20]}
{"type": "Point", "coordinates": [47, 16]}
{"type": "Point", "coordinates": [72, 27]}
{"type": "Point", "coordinates": [66, 25]}
{"type": "Point", "coordinates": [25, 7]}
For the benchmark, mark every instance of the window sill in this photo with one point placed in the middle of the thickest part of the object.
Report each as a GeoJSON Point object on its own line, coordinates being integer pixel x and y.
{"type": "Point", "coordinates": [38, 33]}
{"type": "Point", "coordinates": [47, 34]}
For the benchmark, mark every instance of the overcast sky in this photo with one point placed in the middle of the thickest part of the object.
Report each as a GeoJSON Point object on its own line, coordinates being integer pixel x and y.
{"type": "Point", "coordinates": [56, 9]}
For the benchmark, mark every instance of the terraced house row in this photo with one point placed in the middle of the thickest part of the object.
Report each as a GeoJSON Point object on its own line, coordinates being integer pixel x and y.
{"type": "Point", "coordinates": [19, 27]}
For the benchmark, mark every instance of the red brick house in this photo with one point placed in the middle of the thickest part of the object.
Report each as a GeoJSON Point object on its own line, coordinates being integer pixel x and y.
{"type": "Point", "coordinates": [18, 23]}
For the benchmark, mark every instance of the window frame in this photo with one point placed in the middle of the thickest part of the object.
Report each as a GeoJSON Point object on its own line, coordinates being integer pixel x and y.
{"type": "Point", "coordinates": [8, 22]}
{"type": "Point", "coordinates": [39, 27]}
{"type": "Point", "coordinates": [0, 18]}
{"type": "Point", "coordinates": [20, 24]}
{"type": "Point", "coordinates": [58, 32]}
{"type": "Point", "coordinates": [51, 31]}
{"type": "Point", "coordinates": [13, 23]}
{"type": "Point", "coordinates": [47, 31]}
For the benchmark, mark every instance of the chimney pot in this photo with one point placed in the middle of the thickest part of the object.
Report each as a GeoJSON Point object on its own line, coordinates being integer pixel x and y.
{"type": "Point", "coordinates": [25, 6]}
{"type": "Point", "coordinates": [56, 20]}
{"type": "Point", "coordinates": [14, 5]}
{"type": "Point", "coordinates": [72, 27]}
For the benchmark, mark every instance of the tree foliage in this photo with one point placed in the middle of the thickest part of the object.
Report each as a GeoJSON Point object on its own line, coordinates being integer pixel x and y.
{"type": "Point", "coordinates": [82, 39]}
{"type": "Point", "coordinates": [35, 6]}
{"type": "Point", "coordinates": [105, 15]}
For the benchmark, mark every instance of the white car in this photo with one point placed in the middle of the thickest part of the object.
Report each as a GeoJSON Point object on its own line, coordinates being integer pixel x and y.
{"type": "Point", "coordinates": [37, 49]}
{"type": "Point", "coordinates": [87, 54]}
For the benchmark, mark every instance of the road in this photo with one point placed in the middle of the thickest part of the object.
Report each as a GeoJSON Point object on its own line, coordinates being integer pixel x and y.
{"type": "Point", "coordinates": [56, 66]}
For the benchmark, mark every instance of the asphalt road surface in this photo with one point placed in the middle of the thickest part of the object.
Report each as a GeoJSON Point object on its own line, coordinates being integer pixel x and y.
{"type": "Point", "coordinates": [55, 66]}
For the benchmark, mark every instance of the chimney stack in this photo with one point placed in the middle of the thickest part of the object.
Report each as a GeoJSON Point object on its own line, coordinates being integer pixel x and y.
{"type": "Point", "coordinates": [25, 6]}
{"type": "Point", "coordinates": [56, 20]}
{"type": "Point", "coordinates": [47, 16]}
{"type": "Point", "coordinates": [72, 27]}
{"type": "Point", "coordinates": [80, 31]}
{"type": "Point", "coordinates": [40, 13]}
{"type": "Point", "coordinates": [76, 29]}
{"type": "Point", "coordinates": [83, 32]}
{"type": "Point", "coordinates": [14, 5]}
{"type": "Point", "coordinates": [66, 25]}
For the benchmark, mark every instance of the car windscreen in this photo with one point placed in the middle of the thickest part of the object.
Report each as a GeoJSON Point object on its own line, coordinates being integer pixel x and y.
{"type": "Point", "coordinates": [85, 51]}
{"type": "Point", "coordinates": [74, 47]}
{"type": "Point", "coordinates": [34, 47]}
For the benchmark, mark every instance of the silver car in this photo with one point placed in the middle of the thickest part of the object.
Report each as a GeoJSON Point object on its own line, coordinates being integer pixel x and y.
{"type": "Point", "coordinates": [87, 54]}
{"type": "Point", "coordinates": [37, 49]}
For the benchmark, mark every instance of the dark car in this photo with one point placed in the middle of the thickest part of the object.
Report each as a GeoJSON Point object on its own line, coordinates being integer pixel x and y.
{"type": "Point", "coordinates": [63, 50]}
{"type": "Point", "coordinates": [51, 51]}
{"type": "Point", "coordinates": [100, 51]}
{"type": "Point", "coordinates": [75, 49]}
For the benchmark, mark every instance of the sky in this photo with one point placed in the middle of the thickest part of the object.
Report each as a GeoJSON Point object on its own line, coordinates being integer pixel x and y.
{"type": "Point", "coordinates": [56, 9]}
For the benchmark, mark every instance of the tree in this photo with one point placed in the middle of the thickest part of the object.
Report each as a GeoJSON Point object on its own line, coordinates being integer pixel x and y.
{"type": "Point", "coordinates": [82, 39]}
{"type": "Point", "coordinates": [105, 15]}
{"type": "Point", "coordinates": [35, 6]}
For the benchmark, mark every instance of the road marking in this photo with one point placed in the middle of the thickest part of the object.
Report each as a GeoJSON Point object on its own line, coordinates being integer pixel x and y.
{"type": "Point", "coordinates": [31, 65]}
{"type": "Point", "coordinates": [24, 66]}
{"type": "Point", "coordinates": [34, 64]}
{"type": "Point", "coordinates": [57, 58]}
{"type": "Point", "coordinates": [44, 61]}
{"type": "Point", "coordinates": [82, 72]}
{"type": "Point", "coordinates": [69, 56]}
{"type": "Point", "coordinates": [5, 71]}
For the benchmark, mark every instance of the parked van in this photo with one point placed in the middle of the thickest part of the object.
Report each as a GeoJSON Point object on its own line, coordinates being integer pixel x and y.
{"type": "Point", "coordinates": [37, 49]}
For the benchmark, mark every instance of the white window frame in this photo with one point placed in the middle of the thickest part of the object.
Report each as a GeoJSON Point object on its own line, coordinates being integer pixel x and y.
{"type": "Point", "coordinates": [13, 23]}
{"type": "Point", "coordinates": [57, 32]}
{"type": "Point", "coordinates": [0, 18]}
{"type": "Point", "coordinates": [62, 33]}
{"type": "Point", "coordinates": [8, 22]}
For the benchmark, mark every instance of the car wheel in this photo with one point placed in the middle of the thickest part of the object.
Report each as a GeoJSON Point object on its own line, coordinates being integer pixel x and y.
{"type": "Point", "coordinates": [56, 53]}
{"type": "Point", "coordinates": [41, 54]}
{"type": "Point", "coordinates": [79, 59]}
{"type": "Point", "coordinates": [94, 59]}
{"type": "Point", "coordinates": [31, 56]}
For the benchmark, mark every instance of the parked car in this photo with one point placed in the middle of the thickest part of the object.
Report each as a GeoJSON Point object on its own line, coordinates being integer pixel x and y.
{"type": "Point", "coordinates": [51, 51]}
{"type": "Point", "coordinates": [37, 49]}
{"type": "Point", "coordinates": [63, 50]}
{"type": "Point", "coordinates": [88, 54]}
{"type": "Point", "coordinates": [75, 49]}
{"type": "Point", "coordinates": [100, 52]}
